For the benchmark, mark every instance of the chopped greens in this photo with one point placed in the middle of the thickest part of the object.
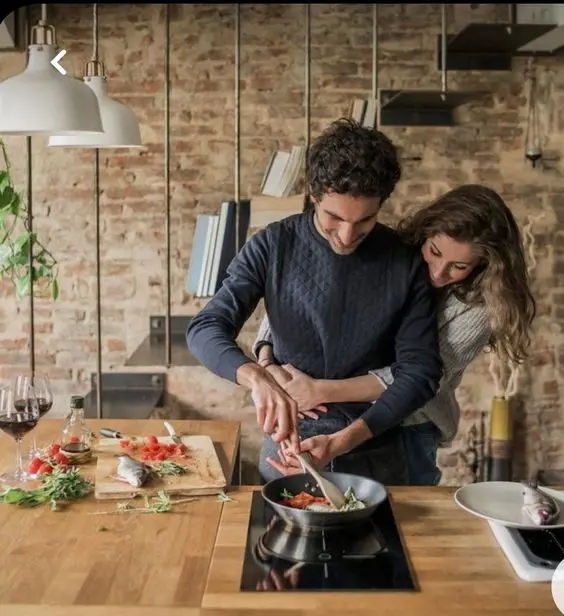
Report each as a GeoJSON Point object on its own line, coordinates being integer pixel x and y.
{"type": "Point", "coordinates": [168, 468]}
{"type": "Point", "coordinates": [63, 484]}
{"type": "Point", "coordinates": [161, 503]}
{"type": "Point", "coordinates": [306, 501]}
{"type": "Point", "coordinates": [225, 498]}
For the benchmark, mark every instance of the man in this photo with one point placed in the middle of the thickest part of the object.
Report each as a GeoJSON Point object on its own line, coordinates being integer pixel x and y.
{"type": "Point", "coordinates": [344, 295]}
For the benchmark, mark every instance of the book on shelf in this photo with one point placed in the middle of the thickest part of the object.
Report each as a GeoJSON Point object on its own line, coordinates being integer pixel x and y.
{"type": "Point", "coordinates": [283, 172]}
{"type": "Point", "coordinates": [214, 247]}
{"type": "Point", "coordinates": [364, 112]}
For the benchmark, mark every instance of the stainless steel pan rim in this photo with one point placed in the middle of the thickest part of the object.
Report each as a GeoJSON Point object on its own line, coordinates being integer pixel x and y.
{"type": "Point", "coordinates": [371, 492]}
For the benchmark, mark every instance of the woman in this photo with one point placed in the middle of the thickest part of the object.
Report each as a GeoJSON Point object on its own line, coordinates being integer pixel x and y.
{"type": "Point", "coordinates": [473, 248]}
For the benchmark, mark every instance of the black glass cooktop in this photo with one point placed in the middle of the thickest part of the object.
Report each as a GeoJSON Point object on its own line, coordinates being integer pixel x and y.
{"type": "Point", "coordinates": [364, 558]}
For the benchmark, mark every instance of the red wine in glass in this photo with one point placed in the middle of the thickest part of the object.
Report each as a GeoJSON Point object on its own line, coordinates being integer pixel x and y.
{"type": "Point", "coordinates": [17, 425]}
{"type": "Point", "coordinates": [41, 387]}
{"type": "Point", "coordinates": [19, 414]}
{"type": "Point", "coordinates": [43, 404]}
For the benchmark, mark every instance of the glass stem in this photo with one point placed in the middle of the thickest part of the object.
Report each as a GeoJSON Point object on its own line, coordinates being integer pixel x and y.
{"type": "Point", "coordinates": [19, 463]}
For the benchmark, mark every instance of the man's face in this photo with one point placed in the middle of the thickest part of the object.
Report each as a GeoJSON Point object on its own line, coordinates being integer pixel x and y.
{"type": "Point", "coordinates": [344, 221]}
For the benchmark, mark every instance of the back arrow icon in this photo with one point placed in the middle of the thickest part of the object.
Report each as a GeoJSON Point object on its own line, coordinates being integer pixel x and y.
{"type": "Point", "coordinates": [55, 61]}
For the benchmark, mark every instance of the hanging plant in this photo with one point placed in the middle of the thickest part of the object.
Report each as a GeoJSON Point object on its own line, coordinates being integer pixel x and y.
{"type": "Point", "coordinates": [15, 245]}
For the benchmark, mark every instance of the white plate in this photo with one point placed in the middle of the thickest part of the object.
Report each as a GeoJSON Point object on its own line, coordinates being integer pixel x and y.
{"type": "Point", "coordinates": [501, 502]}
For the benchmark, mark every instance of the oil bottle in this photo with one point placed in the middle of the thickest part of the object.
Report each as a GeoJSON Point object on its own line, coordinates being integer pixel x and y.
{"type": "Point", "coordinates": [76, 438]}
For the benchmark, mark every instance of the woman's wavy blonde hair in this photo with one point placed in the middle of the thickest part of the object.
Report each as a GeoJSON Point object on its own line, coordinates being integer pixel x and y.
{"type": "Point", "coordinates": [478, 215]}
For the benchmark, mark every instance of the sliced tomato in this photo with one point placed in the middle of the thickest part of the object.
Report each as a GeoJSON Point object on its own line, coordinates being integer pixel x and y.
{"type": "Point", "coordinates": [53, 449]}
{"type": "Point", "coordinates": [35, 465]}
{"type": "Point", "coordinates": [59, 458]}
{"type": "Point", "coordinates": [45, 469]}
{"type": "Point", "coordinates": [152, 440]}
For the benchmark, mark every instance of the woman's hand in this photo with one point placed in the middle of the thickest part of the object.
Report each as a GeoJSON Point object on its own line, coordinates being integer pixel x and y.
{"type": "Point", "coordinates": [321, 450]}
{"type": "Point", "coordinates": [306, 391]}
{"type": "Point", "coordinates": [285, 376]}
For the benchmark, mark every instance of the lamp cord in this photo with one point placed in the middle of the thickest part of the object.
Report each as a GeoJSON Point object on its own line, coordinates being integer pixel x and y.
{"type": "Point", "coordinates": [95, 33]}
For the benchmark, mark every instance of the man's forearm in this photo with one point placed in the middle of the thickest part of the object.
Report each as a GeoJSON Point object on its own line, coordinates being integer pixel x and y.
{"type": "Point", "coordinates": [212, 334]}
{"type": "Point", "coordinates": [248, 374]}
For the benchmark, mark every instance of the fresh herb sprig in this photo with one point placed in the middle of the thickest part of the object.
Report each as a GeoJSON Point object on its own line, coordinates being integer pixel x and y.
{"type": "Point", "coordinates": [63, 484]}
{"type": "Point", "coordinates": [168, 468]}
{"type": "Point", "coordinates": [161, 503]}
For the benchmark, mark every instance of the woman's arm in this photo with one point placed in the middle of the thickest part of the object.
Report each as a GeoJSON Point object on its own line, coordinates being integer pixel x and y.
{"type": "Point", "coordinates": [461, 338]}
{"type": "Point", "coordinates": [263, 339]}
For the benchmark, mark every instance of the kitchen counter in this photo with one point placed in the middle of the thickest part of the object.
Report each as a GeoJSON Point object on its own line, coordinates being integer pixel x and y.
{"type": "Point", "coordinates": [459, 568]}
{"type": "Point", "coordinates": [74, 563]}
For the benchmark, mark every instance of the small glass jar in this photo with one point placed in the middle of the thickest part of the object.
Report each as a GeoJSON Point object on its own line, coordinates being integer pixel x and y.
{"type": "Point", "coordinates": [76, 438]}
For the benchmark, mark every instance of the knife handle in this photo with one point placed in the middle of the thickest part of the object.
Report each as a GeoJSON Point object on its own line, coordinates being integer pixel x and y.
{"type": "Point", "coordinates": [170, 429]}
{"type": "Point", "coordinates": [109, 433]}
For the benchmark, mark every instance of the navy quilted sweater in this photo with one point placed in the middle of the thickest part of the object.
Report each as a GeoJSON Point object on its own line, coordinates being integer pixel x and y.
{"type": "Point", "coordinates": [331, 316]}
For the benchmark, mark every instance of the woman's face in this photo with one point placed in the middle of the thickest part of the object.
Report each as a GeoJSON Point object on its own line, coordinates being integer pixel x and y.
{"type": "Point", "coordinates": [449, 261]}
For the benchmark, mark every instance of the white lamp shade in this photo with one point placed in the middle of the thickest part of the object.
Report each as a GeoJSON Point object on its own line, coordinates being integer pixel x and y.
{"type": "Point", "coordinates": [121, 129]}
{"type": "Point", "coordinates": [41, 101]}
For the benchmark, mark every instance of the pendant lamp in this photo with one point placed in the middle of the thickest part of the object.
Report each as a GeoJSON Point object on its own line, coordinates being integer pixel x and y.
{"type": "Point", "coordinates": [121, 129]}
{"type": "Point", "coordinates": [42, 101]}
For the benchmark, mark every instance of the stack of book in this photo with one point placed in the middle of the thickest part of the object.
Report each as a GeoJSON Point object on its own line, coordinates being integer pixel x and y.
{"type": "Point", "coordinates": [364, 112]}
{"type": "Point", "coordinates": [215, 245]}
{"type": "Point", "coordinates": [283, 172]}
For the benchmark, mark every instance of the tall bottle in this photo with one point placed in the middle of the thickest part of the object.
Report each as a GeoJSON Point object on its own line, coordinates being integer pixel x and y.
{"type": "Point", "coordinates": [76, 438]}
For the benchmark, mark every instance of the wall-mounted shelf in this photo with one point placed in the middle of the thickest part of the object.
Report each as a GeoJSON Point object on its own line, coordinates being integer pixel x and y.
{"type": "Point", "coordinates": [265, 210]}
{"type": "Point", "coordinates": [126, 395]}
{"type": "Point", "coordinates": [151, 352]}
{"type": "Point", "coordinates": [422, 107]}
{"type": "Point", "coordinates": [490, 47]}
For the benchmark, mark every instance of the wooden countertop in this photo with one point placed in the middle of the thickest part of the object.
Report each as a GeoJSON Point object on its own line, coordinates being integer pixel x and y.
{"type": "Point", "coordinates": [59, 563]}
{"type": "Point", "coordinates": [459, 568]}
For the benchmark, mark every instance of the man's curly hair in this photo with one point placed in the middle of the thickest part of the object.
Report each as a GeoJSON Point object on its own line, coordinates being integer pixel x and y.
{"type": "Point", "coordinates": [350, 159]}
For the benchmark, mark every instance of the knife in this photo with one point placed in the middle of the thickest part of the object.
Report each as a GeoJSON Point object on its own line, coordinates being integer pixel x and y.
{"type": "Point", "coordinates": [170, 429]}
{"type": "Point", "coordinates": [109, 433]}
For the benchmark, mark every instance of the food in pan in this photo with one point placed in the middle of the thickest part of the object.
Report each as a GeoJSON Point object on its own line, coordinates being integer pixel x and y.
{"type": "Point", "coordinates": [538, 506]}
{"type": "Point", "coordinates": [305, 500]}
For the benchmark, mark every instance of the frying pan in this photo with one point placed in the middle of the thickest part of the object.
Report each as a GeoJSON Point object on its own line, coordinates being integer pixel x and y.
{"type": "Point", "coordinates": [370, 492]}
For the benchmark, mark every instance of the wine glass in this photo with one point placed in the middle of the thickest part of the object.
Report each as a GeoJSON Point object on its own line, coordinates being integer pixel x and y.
{"type": "Point", "coordinates": [43, 394]}
{"type": "Point", "coordinates": [18, 415]}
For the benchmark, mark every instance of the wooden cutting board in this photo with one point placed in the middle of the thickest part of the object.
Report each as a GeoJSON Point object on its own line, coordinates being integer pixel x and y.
{"type": "Point", "coordinates": [205, 474]}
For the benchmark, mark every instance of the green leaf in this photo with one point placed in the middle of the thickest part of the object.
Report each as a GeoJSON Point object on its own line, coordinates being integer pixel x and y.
{"type": "Point", "coordinates": [6, 197]}
{"type": "Point", "coordinates": [55, 289]}
{"type": "Point", "coordinates": [5, 253]}
{"type": "Point", "coordinates": [23, 286]}
{"type": "Point", "coordinates": [16, 204]}
{"type": "Point", "coordinates": [4, 213]}
{"type": "Point", "coordinates": [4, 180]}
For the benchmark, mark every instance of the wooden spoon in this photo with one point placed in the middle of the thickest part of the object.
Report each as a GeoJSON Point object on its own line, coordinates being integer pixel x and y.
{"type": "Point", "coordinates": [331, 492]}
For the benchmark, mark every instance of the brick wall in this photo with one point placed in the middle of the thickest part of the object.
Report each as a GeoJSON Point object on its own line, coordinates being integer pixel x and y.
{"type": "Point", "coordinates": [486, 147]}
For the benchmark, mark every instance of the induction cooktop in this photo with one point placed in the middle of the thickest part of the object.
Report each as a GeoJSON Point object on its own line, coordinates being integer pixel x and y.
{"type": "Point", "coordinates": [362, 558]}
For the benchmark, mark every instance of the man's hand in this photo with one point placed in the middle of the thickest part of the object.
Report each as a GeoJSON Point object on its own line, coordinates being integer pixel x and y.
{"type": "Point", "coordinates": [321, 450]}
{"type": "Point", "coordinates": [277, 412]}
